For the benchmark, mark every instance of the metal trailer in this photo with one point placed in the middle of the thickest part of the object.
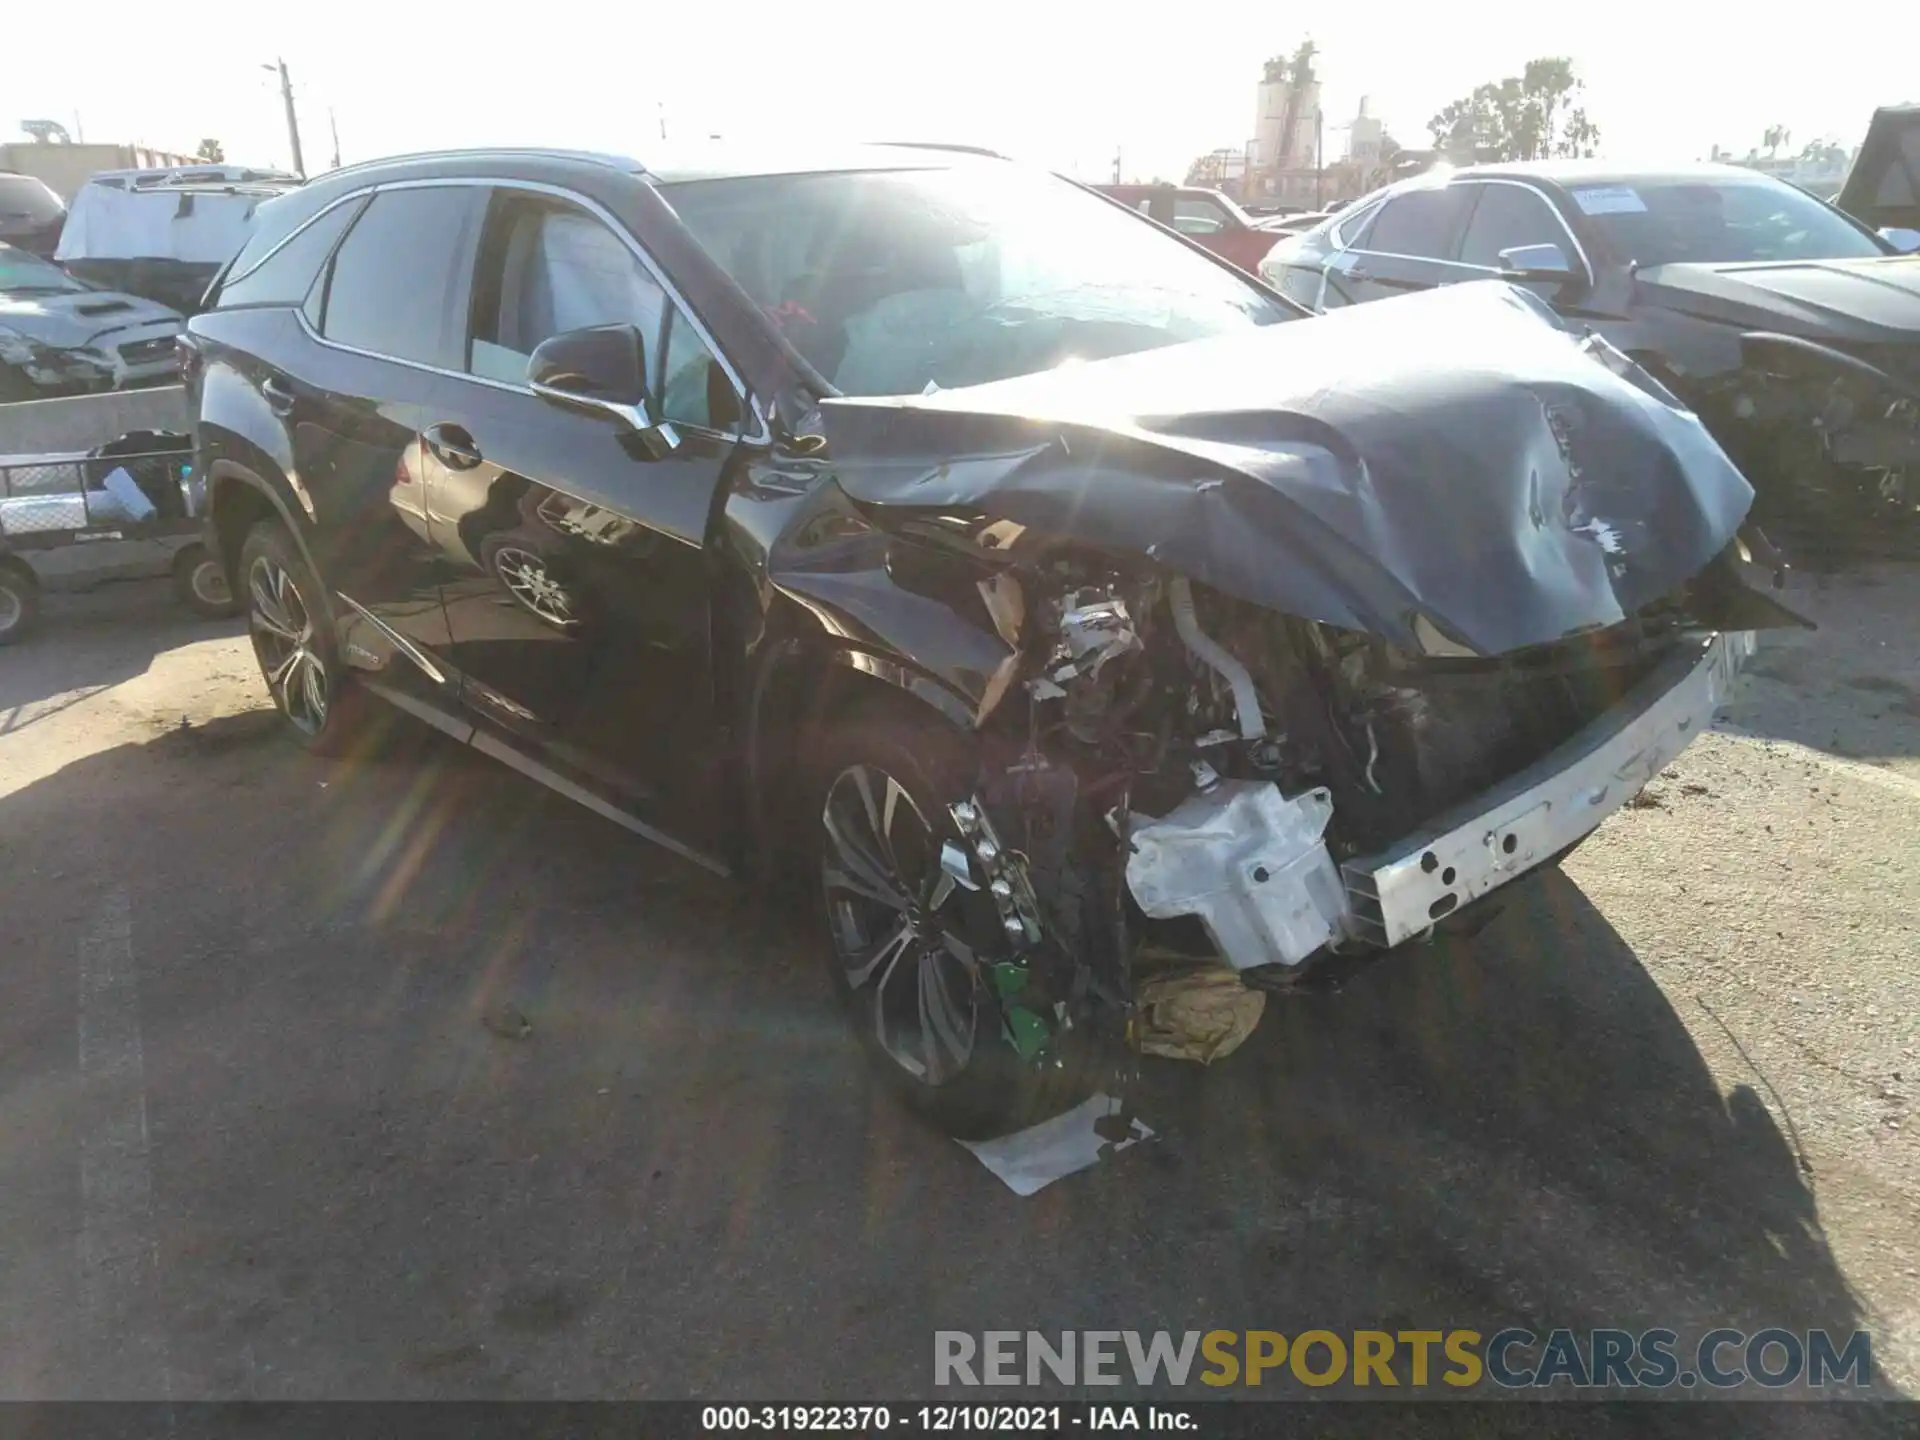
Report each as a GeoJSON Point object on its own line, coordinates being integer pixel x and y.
{"type": "Point", "coordinates": [72, 521]}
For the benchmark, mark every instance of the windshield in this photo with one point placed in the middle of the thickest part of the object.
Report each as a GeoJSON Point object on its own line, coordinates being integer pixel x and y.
{"type": "Point", "coordinates": [1666, 221]}
{"type": "Point", "coordinates": [889, 282]}
{"type": "Point", "coordinates": [21, 274]}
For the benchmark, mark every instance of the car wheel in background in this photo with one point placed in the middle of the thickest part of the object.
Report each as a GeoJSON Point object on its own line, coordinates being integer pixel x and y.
{"type": "Point", "coordinates": [19, 600]}
{"type": "Point", "coordinates": [200, 584]}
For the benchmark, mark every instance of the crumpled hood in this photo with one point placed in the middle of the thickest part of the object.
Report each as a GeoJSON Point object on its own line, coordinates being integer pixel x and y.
{"type": "Point", "coordinates": [82, 317]}
{"type": "Point", "coordinates": [1454, 455]}
{"type": "Point", "coordinates": [1874, 301]}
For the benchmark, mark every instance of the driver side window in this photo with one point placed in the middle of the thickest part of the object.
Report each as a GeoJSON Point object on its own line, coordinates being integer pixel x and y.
{"type": "Point", "coordinates": [547, 267]}
{"type": "Point", "coordinates": [1507, 217]}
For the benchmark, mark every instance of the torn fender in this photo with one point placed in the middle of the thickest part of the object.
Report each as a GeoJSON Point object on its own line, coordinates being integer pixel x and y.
{"type": "Point", "coordinates": [1456, 455]}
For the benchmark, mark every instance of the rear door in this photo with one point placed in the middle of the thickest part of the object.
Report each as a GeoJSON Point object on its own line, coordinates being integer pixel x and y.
{"type": "Point", "coordinates": [385, 315]}
{"type": "Point", "coordinates": [577, 596]}
{"type": "Point", "coordinates": [1409, 245]}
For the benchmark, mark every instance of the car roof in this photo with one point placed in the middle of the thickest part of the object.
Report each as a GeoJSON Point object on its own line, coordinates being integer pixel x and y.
{"type": "Point", "coordinates": [1594, 172]}
{"type": "Point", "coordinates": [678, 163]}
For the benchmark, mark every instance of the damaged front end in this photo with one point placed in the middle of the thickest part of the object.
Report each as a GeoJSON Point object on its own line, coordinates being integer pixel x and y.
{"type": "Point", "coordinates": [1311, 664]}
{"type": "Point", "coordinates": [1830, 437]}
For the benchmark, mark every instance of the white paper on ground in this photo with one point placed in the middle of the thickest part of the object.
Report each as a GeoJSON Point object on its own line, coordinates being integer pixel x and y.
{"type": "Point", "coordinates": [1030, 1160]}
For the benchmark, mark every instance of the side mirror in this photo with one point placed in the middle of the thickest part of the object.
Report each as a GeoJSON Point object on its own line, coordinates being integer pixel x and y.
{"type": "Point", "coordinates": [1536, 262]}
{"type": "Point", "coordinates": [602, 368]}
{"type": "Point", "coordinates": [1907, 242]}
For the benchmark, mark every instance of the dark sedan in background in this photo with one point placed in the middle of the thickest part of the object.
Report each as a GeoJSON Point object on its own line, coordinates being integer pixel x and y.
{"type": "Point", "coordinates": [1792, 328]}
{"type": "Point", "coordinates": [32, 215]}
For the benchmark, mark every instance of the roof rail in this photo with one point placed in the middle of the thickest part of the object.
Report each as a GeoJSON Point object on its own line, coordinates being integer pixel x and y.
{"type": "Point", "coordinates": [617, 162]}
{"type": "Point", "coordinates": [941, 145]}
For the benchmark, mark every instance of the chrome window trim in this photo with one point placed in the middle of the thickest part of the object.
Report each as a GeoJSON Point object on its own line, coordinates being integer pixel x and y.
{"type": "Point", "coordinates": [759, 434]}
{"type": "Point", "coordinates": [1534, 190]}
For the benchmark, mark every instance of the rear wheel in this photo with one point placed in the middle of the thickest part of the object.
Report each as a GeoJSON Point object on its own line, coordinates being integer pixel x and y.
{"type": "Point", "coordinates": [293, 641]}
{"type": "Point", "coordinates": [19, 601]}
{"type": "Point", "coordinates": [200, 584]}
{"type": "Point", "coordinates": [909, 950]}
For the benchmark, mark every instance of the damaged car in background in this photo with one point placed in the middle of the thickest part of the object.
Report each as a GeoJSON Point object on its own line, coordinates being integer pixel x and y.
{"type": "Point", "coordinates": [1792, 328]}
{"type": "Point", "coordinates": [1056, 600]}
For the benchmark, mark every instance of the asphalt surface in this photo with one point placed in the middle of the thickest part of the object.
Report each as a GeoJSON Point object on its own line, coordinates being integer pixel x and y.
{"type": "Point", "coordinates": [406, 1079]}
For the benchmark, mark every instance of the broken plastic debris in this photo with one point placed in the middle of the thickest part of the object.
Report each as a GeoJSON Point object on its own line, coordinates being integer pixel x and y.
{"type": "Point", "coordinates": [1029, 1160]}
{"type": "Point", "coordinates": [1197, 1012]}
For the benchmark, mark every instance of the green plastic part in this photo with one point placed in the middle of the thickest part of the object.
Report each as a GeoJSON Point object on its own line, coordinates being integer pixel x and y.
{"type": "Point", "coordinates": [1027, 1031]}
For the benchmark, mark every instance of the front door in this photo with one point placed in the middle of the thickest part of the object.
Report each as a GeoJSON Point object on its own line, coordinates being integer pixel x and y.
{"type": "Point", "coordinates": [576, 590]}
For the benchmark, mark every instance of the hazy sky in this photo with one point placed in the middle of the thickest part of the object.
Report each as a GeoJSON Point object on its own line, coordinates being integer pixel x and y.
{"type": "Point", "coordinates": [1062, 84]}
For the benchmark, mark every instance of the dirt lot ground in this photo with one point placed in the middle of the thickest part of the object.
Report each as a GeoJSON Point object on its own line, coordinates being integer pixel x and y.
{"type": "Point", "coordinates": [272, 1126]}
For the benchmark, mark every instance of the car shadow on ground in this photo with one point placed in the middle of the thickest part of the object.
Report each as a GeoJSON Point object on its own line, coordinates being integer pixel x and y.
{"type": "Point", "coordinates": [457, 1090]}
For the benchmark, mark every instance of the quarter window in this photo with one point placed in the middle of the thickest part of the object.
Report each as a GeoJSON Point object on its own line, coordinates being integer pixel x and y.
{"type": "Point", "coordinates": [1508, 216]}
{"type": "Point", "coordinates": [395, 279]}
{"type": "Point", "coordinates": [1423, 223]}
{"type": "Point", "coordinates": [285, 276]}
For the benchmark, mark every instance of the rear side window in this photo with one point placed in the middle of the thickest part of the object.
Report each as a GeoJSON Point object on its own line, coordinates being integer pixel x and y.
{"type": "Point", "coordinates": [397, 282]}
{"type": "Point", "coordinates": [286, 275]}
{"type": "Point", "coordinates": [1423, 223]}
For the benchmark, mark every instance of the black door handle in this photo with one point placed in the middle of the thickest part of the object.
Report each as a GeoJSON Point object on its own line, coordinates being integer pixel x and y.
{"type": "Point", "coordinates": [452, 446]}
{"type": "Point", "coordinates": [279, 397]}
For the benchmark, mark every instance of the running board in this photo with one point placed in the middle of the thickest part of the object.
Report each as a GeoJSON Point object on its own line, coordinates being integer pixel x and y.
{"type": "Point", "coordinates": [469, 734]}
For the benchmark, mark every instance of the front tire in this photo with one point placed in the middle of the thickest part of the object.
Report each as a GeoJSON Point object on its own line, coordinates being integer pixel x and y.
{"type": "Point", "coordinates": [292, 636]}
{"type": "Point", "coordinates": [909, 952]}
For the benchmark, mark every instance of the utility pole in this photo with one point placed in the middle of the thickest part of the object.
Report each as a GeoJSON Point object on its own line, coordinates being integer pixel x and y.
{"type": "Point", "coordinates": [293, 122]}
{"type": "Point", "coordinates": [1319, 152]}
{"type": "Point", "coordinates": [334, 126]}
{"type": "Point", "coordinates": [1116, 164]}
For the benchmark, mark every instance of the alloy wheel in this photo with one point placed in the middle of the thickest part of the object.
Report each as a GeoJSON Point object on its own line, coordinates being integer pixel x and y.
{"type": "Point", "coordinates": [528, 580]}
{"type": "Point", "coordinates": [11, 610]}
{"type": "Point", "coordinates": [282, 628]}
{"type": "Point", "coordinates": [891, 915]}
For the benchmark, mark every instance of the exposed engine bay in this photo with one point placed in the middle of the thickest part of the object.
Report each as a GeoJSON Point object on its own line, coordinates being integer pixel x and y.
{"type": "Point", "coordinates": [1158, 754]}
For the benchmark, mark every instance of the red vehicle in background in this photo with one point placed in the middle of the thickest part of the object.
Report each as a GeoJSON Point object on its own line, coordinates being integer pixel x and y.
{"type": "Point", "coordinates": [1206, 217]}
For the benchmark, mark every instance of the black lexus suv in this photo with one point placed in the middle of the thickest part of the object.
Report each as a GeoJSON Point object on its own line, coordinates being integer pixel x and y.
{"type": "Point", "coordinates": [1011, 569]}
